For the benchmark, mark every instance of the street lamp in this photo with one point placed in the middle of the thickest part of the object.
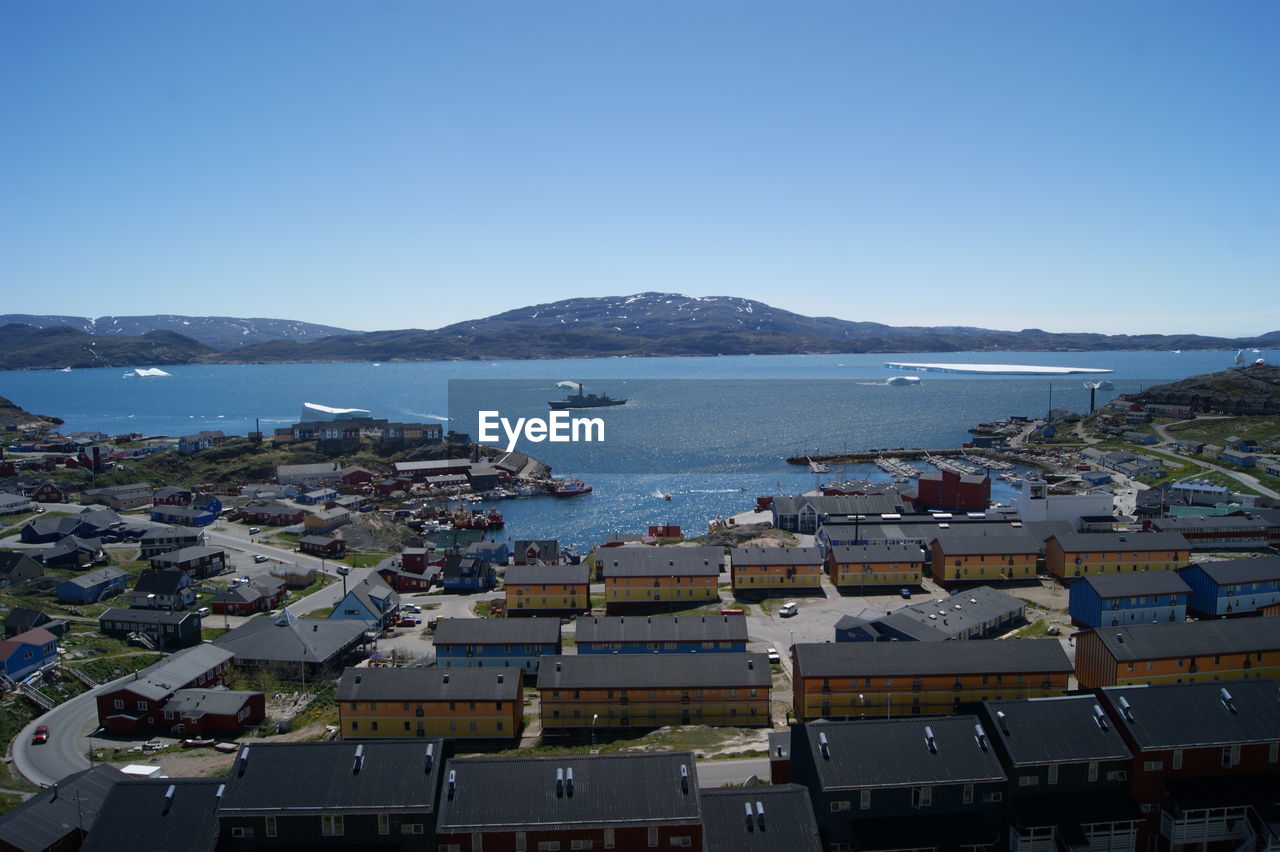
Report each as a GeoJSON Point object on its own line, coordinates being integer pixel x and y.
{"type": "Point", "coordinates": [93, 734]}
{"type": "Point", "coordinates": [343, 571]}
{"type": "Point", "coordinates": [594, 718]}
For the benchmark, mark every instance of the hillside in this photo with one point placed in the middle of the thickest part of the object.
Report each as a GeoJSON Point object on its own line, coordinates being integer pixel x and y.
{"type": "Point", "coordinates": [216, 332]}
{"type": "Point", "coordinates": [12, 415]}
{"type": "Point", "coordinates": [25, 347]}
{"type": "Point", "coordinates": [1241, 390]}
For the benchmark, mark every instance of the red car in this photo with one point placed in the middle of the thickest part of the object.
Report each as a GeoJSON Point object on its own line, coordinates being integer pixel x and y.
{"type": "Point", "coordinates": [41, 735]}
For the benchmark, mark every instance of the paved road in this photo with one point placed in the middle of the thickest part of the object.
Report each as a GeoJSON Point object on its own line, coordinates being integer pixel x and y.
{"type": "Point", "coordinates": [69, 725]}
{"type": "Point", "coordinates": [718, 773]}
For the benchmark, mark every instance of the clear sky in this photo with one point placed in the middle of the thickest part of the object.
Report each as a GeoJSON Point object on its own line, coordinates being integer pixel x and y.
{"type": "Point", "coordinates": [1092, 165]}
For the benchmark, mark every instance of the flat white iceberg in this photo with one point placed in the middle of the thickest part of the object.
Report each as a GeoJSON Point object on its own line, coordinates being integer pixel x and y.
{"type": "Point", "coordinates": [994, 369]}
{"type": "Point", "coordinates": [150, 371]}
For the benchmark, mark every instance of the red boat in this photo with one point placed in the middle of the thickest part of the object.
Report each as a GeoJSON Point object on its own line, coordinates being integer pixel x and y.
{"type": "Point", "coordinates": [495, 518]}
{"type": "Point", "coordinates": [573, 488]}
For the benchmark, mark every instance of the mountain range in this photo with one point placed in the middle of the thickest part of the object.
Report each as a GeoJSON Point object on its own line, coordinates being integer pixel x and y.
{"type": "Point", "coordinates": [645, 324]}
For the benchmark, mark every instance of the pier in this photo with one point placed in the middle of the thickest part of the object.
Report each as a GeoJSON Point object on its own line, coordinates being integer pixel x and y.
{"type": "Point", "coordinates": [991, 459]}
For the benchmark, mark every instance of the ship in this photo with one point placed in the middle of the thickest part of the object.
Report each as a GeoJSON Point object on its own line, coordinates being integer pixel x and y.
{"type": "Point", "coordinates": [583, 400]}
{"type": "Point", "coordinates": [573, 488]}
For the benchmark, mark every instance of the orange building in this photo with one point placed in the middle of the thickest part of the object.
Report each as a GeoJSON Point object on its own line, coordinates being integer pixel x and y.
{"type": "Point", "coordinates": [1182, 652]}
{"type": "Point", "coordinates": [537, 589]}
{"type": "Point", "coordinates": [775, 569]}
{"type": "Point", "coordinates": [638, 577]}
{"type": "Point", "coordinates": [461, 703]}
{"type": "Point", "coordinates": [1071, 555]}
{"type": "Point", "coordinates": [983, 559]}
{"type": "Point", "coordinates": [847, 680]}
{"type": "Point", "coordinates": [875, 565]}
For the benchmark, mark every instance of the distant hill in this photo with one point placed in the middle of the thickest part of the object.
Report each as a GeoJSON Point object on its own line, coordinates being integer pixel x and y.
{"type": "Point", "coordinates": [12, 415]}
{"type": "Point", "coordinates": [654, 324]}
{"type": "Point", "coordinates": [217, 332]}
{"type": "Point", "coordinates": [24, 347]}
{"type": "Point", "coordinates": [1243, 390]}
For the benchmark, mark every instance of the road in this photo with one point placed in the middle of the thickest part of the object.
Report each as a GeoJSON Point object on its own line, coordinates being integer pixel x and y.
{"type": "Point", "coordinates": [718, 773]}
{"type": "Point", "coordinates": [69, 724]}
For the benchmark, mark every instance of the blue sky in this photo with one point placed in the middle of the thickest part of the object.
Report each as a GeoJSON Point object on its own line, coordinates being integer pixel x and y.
{"type": "Point", "coordinates": [1097, 165]}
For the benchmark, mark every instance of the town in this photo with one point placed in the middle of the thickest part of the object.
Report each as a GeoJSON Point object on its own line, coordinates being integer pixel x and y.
{"type": "Point", "coordinates": [347, 652]}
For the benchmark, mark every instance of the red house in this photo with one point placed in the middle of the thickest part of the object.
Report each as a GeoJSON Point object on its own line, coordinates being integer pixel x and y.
{"type": "Point", "coordinates": [271, 512]}
{"type": "Point", "coordinates": [44, 491]}
{"type": "Point", "coordinates": [259, 595]}
{"type": "Point", "coordinates": [419, 559]}
{"type": "Point", "coordinates": [357, 476]}
{"type": "Point", "coordinates": [327, 547]}
{"type": "Point", "coordinates": [138, 704]}
{"type": "Point", "coordinates": [403, 580]}
{"type": "Point", "coordinates": [205, 712]}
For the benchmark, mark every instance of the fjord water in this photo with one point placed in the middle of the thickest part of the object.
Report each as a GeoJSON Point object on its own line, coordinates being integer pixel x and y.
{"type": "Point", "coordinates": [701, 429]}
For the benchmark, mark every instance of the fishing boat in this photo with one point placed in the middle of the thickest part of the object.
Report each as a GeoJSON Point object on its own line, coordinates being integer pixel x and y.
{"type": "Point", "coordinates": [582, 400]}
{"type": "Point", "coordinates": [572, 488]}
{"type": "Point", "coordinates": [495, 519]}
{"type": "Point", "coordinates": [817, 467]}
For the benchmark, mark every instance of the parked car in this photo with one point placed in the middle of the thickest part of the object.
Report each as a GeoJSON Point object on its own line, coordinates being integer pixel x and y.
{"type": "Point", "coordinates": [254, 530]}
{"type": "Point", "coordinates": [202, 611]}
{"type": "Point", "coordinates": [789, 609]}
{"type": "Point", "coordinates": [407, 621]}
{"type": "Point", "coordinates": [411, 608]}
{"type": "Point", "coordinates": [906, 593]}
{"type": "Point", "coordinates": [259, 558]}
{"type": "Point", "coordinates": [41, 735]}
{"type": "Point", "coordinates": [773, 655]}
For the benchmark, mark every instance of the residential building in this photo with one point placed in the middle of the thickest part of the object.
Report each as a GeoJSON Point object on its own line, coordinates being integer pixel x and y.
{"type": "Point", "coordinates": [27, 652]}
{"type": "Point", "coordinates": [162, 589]}
{"type": "Point", "coordinates": [157, 815]}
{"type": "Point", "coordinates": [199, 562]}
{"type": "Point", "coordinates": [1186, 652]}
{"type": "Point", "coordinates": [1144, 597]}
{"type": "Point", "coordinates": [577, 801]}
{"type": "Point", "coordinates": [856, 679]}
{"type": "Point", "coordinates": [122, 498]}
{"type": "Point", "coordinates": [1069, 788]}
{"type": "Point", "coordinates": [160, 540]}
{"type": "Point", "coordinates": [1233, 588]}
{"type": "Point", "coordinates": [1206, 761]}
{"type": "Point", "coordinates": [203, 440]}
{"type": "Point", "coordinates": [92, 587]}
{"type": "Point", "coordinates": [1216, 532]}
{"type": "Point", "coordinates": [219, 712]}
{"type": "Point", "coordinates": [163, 630]}
{"type": "Point", "coordinates": [73, 553]}
{"type": "Point", "coordinates": [496, 642]}
{"type": "Point", "coordinates": [50, 528]}
{"type": "Point", "coordinates": [294, 648]}
{"type": "Point", "coordinates": [775, 570]}
{"type": "Point", "coordinates": [60, 816]}
{"type": "Point", "coordinates": [778, 818]}
{"type": "Point", "coordinates": [1069, 556]}
{"type": "Point", "coordinates": [318, 496]}
{"type": "Point", "coordinates": [308, 474]}
{"type": "Point", "coordinates": [578, 693]}
{"type": "Point", "coordinates": [636, 577]}
{"type": "Point", "coordinates": [371, 601]}
{"type": "Point", "coordinates": [891, 784]}
{"type": "Point", "coordinates": [495, 552]}
{"type": "Point", "coordinates": [546, 551]}
{"type": "Point", "coordinates": [186, 516]}
{"type": "Point", "coordinates": [326, 521]}
{"type": "Point", "coordinates": [16, 567]}
{"type": "Point", "coordinates": [536, 588]}
{"type": "Point", "coordinates": [467, 574]}
{"type": "Point", "coordinates": [459, 703]}
{"type": "Point", "coordinates": [13, 504]}
{"type": "Point", "coordinates": [867, 566]}
{"type": "Point", "coordinates": [137, 704]}
{"type": "Point", "coordinates": [311, 795]}
{"type": "Point", "coordinates": [20, 619]}
{"type": "Point", "coordinates": [261, 594]}
{"type": "Point", "coordinates": [324, 546]}
{"type": "Point", "coordinates": [659, 634]}
{"type": "Point", "coordinates": [957, 559]}
{"type": "Point", "coordinates": [272, 513]}
{"type": "Point", "coordinates": [971, 614]}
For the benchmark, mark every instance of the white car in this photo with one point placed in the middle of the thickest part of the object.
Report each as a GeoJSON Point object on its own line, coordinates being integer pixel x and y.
{"type": "Point", "coordinates": [773, 655]}
{"type": "Point", "coordinates": [789, 609]}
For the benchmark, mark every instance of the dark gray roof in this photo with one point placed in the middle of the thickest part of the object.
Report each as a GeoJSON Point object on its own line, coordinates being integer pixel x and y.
{"type": "Point", "coordinates": [662, 628]}
{"type": "Point", "coordinates": [1054, 730]}
{"type": "Point", "coordinates": [43, 820]}
{"type": "Point", "coordinates": [848, 553]}
{"type": "Point", "coordinates": [1194, 523]}
{"type": "Point", "coordinates": [430, 684]}
{"type": "Point", "coordinates": [540, 573]}
{"type": "Point", "coordinates": [96, 576]}
{"type": "Point", "coordinates": [374, 776]}
{"type": "Point", "coordinates": [648, 671]}
{"type": "Point", "coordinates": [781, 819]}
{"type": "Point", "coordinates": [608, 789]}
{"type": "Point", "coordinates": [776, 555]}
{"type": "Point", "coordinates": [1016, 542]}
{"type": "Point", "coordinates": [896, 753]}
{"type": "Point", "coordinates": [662, 561]}
{"type": "Point", "coordinates": [1196, 714]}
{"type": "Point", "coordinates": [498, 631]}
{"type": "Point", "coordinates": [1009, 656]}
{"type": "Point", "coordinates": [1121, 542]}
{"type": "Point", "coordinates": [174, 672]}
{"type": "Point", "coordinates": [186, 554]}
{"type": "Point", "coordinates": [145, 616]}
{"type": "Point", "coordinates": [1191, 638]}
{"type": "Point", "coordinates": [1235, 571]}
{"type": "Point", "coordinates": [842, 504]}
{"type": "Point", "coordinates": [165, 581]}
{"type": "Point", "coordinates": [154, 533]}
{"type": "Point", "coordinates": [954, 615]}
{"type": "Point", "coordinates": [1137, 583]}
{"type": "Point", "coordinates": [315, 640]}
{"type": "Point", "coordinates": [197, 702]}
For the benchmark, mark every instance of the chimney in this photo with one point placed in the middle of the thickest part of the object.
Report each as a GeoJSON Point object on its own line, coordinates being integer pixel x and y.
{"type": "Point", "coordinates": [499, 678]}
{"type": "Point", "coordinates": [1100, 717]}
{"type": "Point", "coordinates": [444, 678]}
{"type": "Point", "coordinates": [750, 663]}
{"type": "Point", "coordinates": [1004, 726]}
{"type": "Point", "coordinates": [684, 778]}
{"type": "Point", "coordinates": [981, 736]}
{"type": "Point", "coordinates": [453, 778]}
{"type": "Point", "coordinates": [1125, 708]}
{"type": "Point", "coordinates": [568, 777]}
{"type": "Point", "coordinates": [824, 746]}
{"type": "Point", "coordinates": [54, 797]}
{"type": "Point", "coordinates": [359, 678]}
{"type": "Point", "coordinates": [760, 814]}
{"type": "Point", "coordinates": [560, 783]}
{"type": "Point", "coordinates": [430, 756]}
{"type": "Point", "coordinates": [930, 741]}
{"type": "Point", "coordinates": [168, 797]}
{"type": "Point", "coordinates": [218, 795]}
{"type": "Point", "coordinates": [557, 665]}
{"type": "Point", "coordinates": [1226, 700]}
{"type": "Point", "coordinates": [746, 806]}
{"type": "Point", "coordinates": [244, 762]}
{"type": "Point", "coordinates": [359, 761]}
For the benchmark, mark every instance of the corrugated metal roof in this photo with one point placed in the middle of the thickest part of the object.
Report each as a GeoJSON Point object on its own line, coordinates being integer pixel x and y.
{"type": "Point", "coordinates": [498, 631]}
{"type": "Point", "coordinates": [540, 573]}
{"type": "Point", "coordinates": [776, 555]}
{"type": "Point", "coordinates": [662, 628]}
{"type": "Point", "coordinates": [650, 671]}
{"type": "Point", "coordinates": [1011, 656]}
{"type": "Point", "coordinates": [781, 819]}
{"type": "Point", "coordinates": [1191, 638]}
{"type": "Point", "coordinates": [662, 561]}
{"type": "Point", "coordinates": [1197, 714]}
{"type": "Point", "coordinates": [1054, 730]}
{"type": "Point", "coordinates": [55, 813]}
{"type": "Point", "coordinates": [1121, 542]}
{"type": "Point", "coordinates": [430, 684]}
{"type": "Point", "coordinates": [1235, 571]}
{"type": "Point", "coordinates": [1137, 583]}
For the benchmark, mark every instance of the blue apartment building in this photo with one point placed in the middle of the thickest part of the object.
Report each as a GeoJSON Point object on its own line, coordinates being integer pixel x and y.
{"type": "Point", "coordinates": [1235, 587]}
{"type": "Point", "coordinates": [662, 634]}
{"type": "Point", "coordinates": [1122, 600]}
{"type": "Point", "coordinates": [496, 642]}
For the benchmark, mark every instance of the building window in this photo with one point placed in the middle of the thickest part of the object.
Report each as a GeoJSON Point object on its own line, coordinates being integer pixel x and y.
{"type": "Point", "coordinates": [384, 824]}
{"type": "Point", "coordinates": [1028, 780]}
{"type": "Point", "coordinates": [415, 828]}
{"type": "Point", "coordinates": [1231, 756]}
{"type": "Point", "coordinates": [118, 704]}
{"type": "Point", "coordinates": [241, 831]}
{"type": "Point", "coordinates": [1157, 765]}
{"type": "Point", "coordinates": [682, 841]}
{"type": "Point", "coordinates": [477, 841]}
{"type": "Point", "coordinates": [968, 794]}
{"type": "Point", "coordinates": [580, 844]}
{"type": "Point", "coordinates": [331, 825]}
{"type": "Point", "coordinates": [1053, 774]}
{"type": "Point", "coordinates": [921, 797]}
{"type": "Point", "coordinates": [1177, 758]}
{"type": "Point", "coordinates": [653, 835]}
{"type": "Point", "coordinates": [1273, 752]}
{"type": "Point", "coordinates": [608, 838]}
{"type": "Point", "coordinates": [842, 805]}
{"type": "Point", "coordinates": [271, 826]}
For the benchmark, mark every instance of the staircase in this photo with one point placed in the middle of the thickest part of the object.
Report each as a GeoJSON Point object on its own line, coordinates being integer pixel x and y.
{"type": "Point", "coordinates": [144, 640]}
{"type": "Point", "coordinates": [82, 676]}
{"type": "Point", "coordinates": [37, 697]}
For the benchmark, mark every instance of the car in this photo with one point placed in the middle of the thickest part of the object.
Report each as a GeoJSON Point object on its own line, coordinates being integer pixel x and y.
{"type": "Point", "coordinates": [411, 608]}
{"type": "Point", "coordinates": [408, 621]}
{"type": "Point", "coordinates": [244, 579]}
{"type": "Point", "coordinates": [773, 655]}
{"type": "Point", "coordinates": [202, 611]}
{"type": "Point", "coordinates": [906, 593]}
{"type": "Point", "coordinates": [789, 609]}
{"type": "Point", "coordinates": [254, 530]}
{"type": "Point", "coordinates": [259, 558]}
{"type": "Point", "coordinates": [41, 735]}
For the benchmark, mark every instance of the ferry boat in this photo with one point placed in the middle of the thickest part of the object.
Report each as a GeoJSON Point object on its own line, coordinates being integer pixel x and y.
{"type": "Point", "coordinates": [573, 488]}
{"type": "Point", "coordinates": [583, 400]}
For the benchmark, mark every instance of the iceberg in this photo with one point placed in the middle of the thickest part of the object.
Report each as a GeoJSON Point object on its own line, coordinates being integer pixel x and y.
{"type": "Point", "coordinates": [314, 411]}
{"type": "Point", "coordinates": [149, 371]}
